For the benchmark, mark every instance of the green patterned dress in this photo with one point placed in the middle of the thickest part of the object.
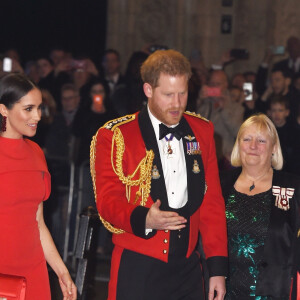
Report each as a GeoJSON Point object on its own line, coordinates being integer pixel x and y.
{"type": "Point", "coordinates": [247, 223]}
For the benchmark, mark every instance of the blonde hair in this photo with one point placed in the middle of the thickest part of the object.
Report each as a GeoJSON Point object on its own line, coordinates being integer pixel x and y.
{"type": "Point", "coordinates": [263, 124]}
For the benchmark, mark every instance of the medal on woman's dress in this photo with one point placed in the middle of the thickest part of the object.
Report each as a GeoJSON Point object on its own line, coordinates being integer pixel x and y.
{"type": "Point", "coordinates": [283, 196]}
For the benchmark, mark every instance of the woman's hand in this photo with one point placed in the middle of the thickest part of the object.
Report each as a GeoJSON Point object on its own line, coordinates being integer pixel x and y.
{"type": "Point", "coordinates": [68, 287]}
{"type": "Point", "coordinates": [53, 258]}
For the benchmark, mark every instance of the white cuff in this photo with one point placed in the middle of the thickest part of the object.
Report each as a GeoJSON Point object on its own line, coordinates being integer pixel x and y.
{"type": "Point", "coordinates": [147, 231]}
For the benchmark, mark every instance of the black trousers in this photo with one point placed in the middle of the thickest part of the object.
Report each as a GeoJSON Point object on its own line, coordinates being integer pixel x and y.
{"type": "Point", "coordinates": [145, 278]}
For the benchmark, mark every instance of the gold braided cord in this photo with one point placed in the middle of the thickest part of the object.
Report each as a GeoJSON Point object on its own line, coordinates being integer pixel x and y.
{"type": "Point", "coordinates": [144, 168]}
{"type": "Point", "coordinates": [107, 225]}
{"type": "Point", "coordinates": [193, 114]}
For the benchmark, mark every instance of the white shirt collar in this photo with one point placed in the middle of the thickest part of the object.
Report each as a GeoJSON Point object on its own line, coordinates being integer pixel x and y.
{"type": "Point", "coordinates": [114, 79]}
{"type": "Point", "coordinates": [295, 64]}
{"type": "Point", "coordinates": [155, 123]}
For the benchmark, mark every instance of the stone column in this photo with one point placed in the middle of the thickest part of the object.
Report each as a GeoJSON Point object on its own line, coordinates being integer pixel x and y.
{"type": "Point", "coordinates": [196, 24]}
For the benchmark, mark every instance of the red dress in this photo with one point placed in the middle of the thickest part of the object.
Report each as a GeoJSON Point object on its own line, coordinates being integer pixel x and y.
{"type": "Point", "coordinates": [24, 184]}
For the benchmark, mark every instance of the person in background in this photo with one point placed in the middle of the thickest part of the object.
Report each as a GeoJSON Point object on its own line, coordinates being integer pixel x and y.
{"type": "Point", "coordinates": [88, 120]}
{"type": "Point", "coordinates": [128, 97]}
{"type": "Point", "coordinates": [215, 103]}
{"type": "Point", "coordinates": [250, 76]}
{"type": "Point", "coordinates": [279, 112]}
{"type": "Point", "coordinates": [45, 67]}
{"type": "Point", "coordinates": [238, 80]}
{"type": "Point", "coordinates": [13, 53]}
{"type": "Point", "coordinates": [32, 72]}
{"type": "Point", "coordinates": [156, 185]}
{"type": "Point", "coordinates": [26, 243]}
{"type": "Point", "coordinates": [280, 85]}
{"type": "Point", "coordinates": [15, 63]}
{"type": "Point", "coordinates": [292, 63]}
{"type": "Point", "coordinates": [111, 64]}
{"type": "Point", "coordinates": [236, 93]}
{"type": "Point", "coordinates": [83, 71]}
{"type": "Point", "coordinates": [262, 211]}
{"type": "Point", "coordinates": [50, 80]}
{"type": "Point", "coordinates": [58, 139]}
{"type": "Point", "coordinates": [198, 79]}
{"type": "Point", "coordinates": [47, 118]}
{"type": "Point", "coordinates": [57, 55]}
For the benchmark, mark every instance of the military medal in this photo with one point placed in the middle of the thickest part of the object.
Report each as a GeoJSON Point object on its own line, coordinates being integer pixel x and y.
{"type": "Point", "coordinates": [193, 148]}
{"type": "Point", "coordinates": [155, 173]}
{"type": "Point", "coordinates": [168, 150]}
{"type": "Point", "coordinates": [283, 196]}
{"type": "Point", "coordinates": [189, 137]}
{"type": "Point", "coordinates": [196, 168]}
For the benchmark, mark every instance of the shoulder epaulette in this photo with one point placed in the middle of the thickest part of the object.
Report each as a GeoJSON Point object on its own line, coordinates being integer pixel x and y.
{"type": "Point", "coordinates": [193, 114]}
{"type": "Point", "coordinates": [119, 121]}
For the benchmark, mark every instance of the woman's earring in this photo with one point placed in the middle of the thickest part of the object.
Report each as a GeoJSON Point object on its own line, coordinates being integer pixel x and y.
{"type": "Point", "coordinates": [3, 124]}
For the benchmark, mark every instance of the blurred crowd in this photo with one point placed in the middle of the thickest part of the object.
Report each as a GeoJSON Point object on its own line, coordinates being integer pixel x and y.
{"type": "Point", "coordinates": [80, 96]}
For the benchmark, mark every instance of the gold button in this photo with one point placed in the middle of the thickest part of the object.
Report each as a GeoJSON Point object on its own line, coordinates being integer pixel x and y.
{"type": "Point", "coordinates": [165, 241]}
{"type": "Point", "coordinates": [166, 230]}
{"type": "Point", "coordinates": [165, 251]}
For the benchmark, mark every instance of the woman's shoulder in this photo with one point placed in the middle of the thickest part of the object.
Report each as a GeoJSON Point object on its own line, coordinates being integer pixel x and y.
{"type": "Point", "coordinates": [34, 147]}
{"type": "Point", "coordinates": [32, 144]}
{"type": "Point", "coordinates": [227, 176]}
{"type": "Point", "coordinates": [22, 155]}
{"type": "Point", "coordinates": [285, 179]}
{"type": "Point", "coordinates": [227, 180]}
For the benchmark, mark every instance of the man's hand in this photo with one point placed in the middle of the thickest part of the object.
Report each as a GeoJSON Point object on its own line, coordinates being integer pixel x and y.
{"type": "Point", "coordinates": [216, 283]}
{"type": "Point", "coordinates": [162, 220]}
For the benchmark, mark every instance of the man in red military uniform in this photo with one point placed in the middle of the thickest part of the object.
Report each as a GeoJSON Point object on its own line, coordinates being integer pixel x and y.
{"type": "Point", "coordinates": [157, 186]}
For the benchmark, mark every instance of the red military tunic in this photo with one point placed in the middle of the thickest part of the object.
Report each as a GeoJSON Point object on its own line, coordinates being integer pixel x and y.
{"type": "Point", "coordinates": [207, 204]}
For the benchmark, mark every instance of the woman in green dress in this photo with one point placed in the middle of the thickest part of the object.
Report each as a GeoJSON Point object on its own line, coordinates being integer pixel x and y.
{"type": "Point", "coordinates": [262, 210]}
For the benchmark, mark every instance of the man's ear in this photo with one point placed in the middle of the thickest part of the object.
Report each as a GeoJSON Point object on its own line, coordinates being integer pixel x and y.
{"type": "Point", "coordinates": [148, 90]}
{"type": "Point", "coordinates": [3, 110]}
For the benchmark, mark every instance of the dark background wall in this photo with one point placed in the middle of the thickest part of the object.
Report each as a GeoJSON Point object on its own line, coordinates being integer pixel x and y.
{"type": "Point", "coordinates": [188, 25]}
{"type": "Point", "coordinates": [34, 26]}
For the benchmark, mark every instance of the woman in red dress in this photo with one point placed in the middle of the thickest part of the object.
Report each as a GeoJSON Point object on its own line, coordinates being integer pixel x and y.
{"type": "Point", "coordinates": [25, 242]}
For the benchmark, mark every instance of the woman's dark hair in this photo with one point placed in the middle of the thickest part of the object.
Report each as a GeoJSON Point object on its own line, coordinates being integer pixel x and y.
{"type": "Point", "coordinates": [134, 65]}
{"type": "Point", "coordinates": [13, 87]}
{"type": "Point", "coordinates": [99, 80]}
